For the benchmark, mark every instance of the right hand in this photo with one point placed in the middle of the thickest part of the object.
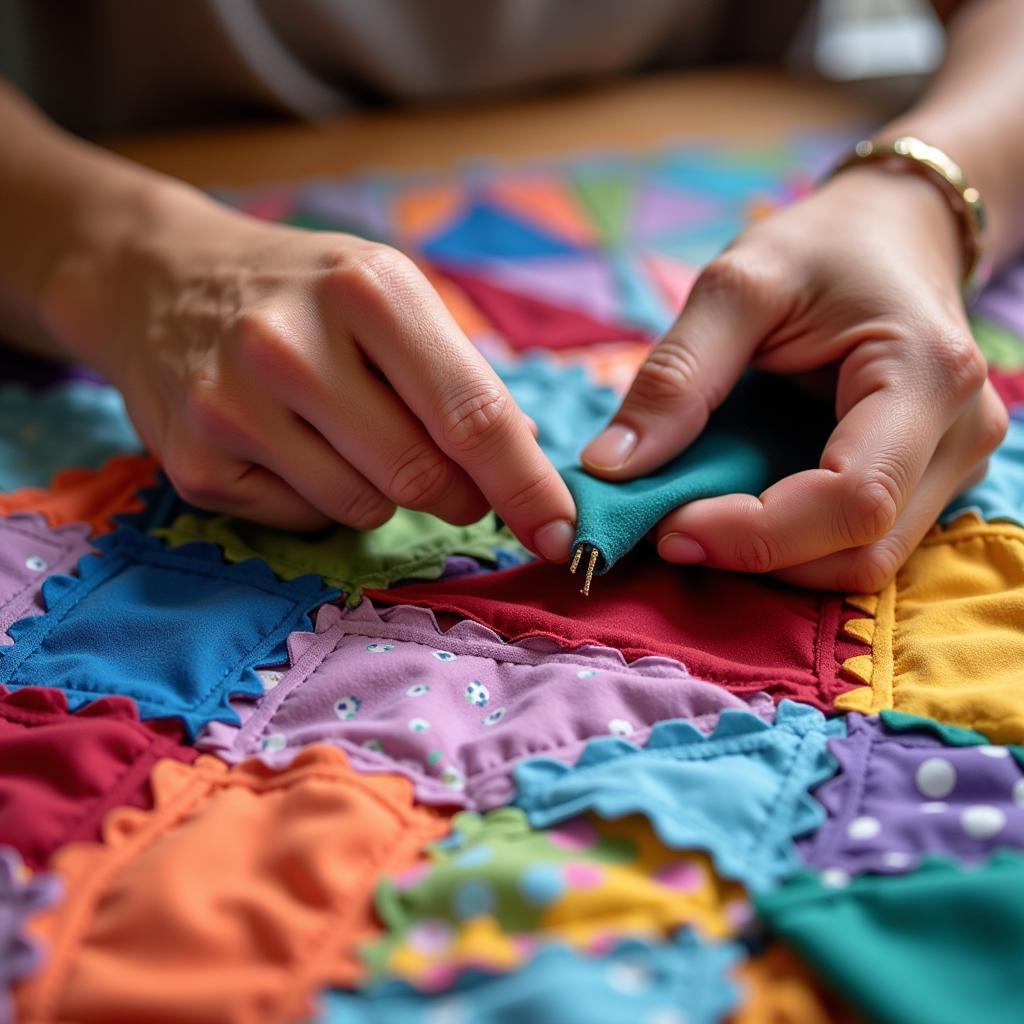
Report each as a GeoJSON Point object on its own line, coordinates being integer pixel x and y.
{"type": "Point", "coordinates": [297, 378]}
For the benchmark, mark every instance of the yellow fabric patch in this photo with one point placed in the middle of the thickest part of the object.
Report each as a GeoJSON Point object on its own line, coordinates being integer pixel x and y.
{"type": "Point", "coordinates": [947, 634]}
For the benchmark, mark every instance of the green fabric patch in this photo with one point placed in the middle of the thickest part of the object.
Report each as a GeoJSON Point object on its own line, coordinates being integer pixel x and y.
{"type": "Point", "coordinates": [940, 945]}
{"type": "Point", "coordinates": [1002, 348]}
{"type": "Point", "coordinates": [410, 545]}
{"type": "Point", "coordinates": [951, 735]}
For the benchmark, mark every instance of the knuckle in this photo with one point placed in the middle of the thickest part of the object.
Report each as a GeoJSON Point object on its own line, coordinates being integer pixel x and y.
{"type": "Point", "coordinates": [753, 552]}
{"type": "Point", "coordinates": [671, 372]}
{"type": "Point", "coordinates": [870, 570]}
{"type": "Point", "coordinates": [992, 427]}
{"type": "Point", "coordinates": [477, 417]}
{"type": "Point", "coordinates": [370, 270]}
{"type": "Point", "coordinates": [198, 484]}
{"type": "Point", "coordinates": [870, 511]}
{"type": "Point", "coordinates": [739, 272]}
{"type": "Point", "coordinates": [419, 478]}
{"type": "Point", "coordinates": [529, 490]}
{"type": "Point", "coordinates": [961, 363]}
{"type": "Point", "coordinates": [363, 508]}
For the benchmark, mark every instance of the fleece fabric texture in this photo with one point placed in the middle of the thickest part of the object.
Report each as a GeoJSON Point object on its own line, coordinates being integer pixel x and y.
{"type": "Point", "coordinates": [766, 430]}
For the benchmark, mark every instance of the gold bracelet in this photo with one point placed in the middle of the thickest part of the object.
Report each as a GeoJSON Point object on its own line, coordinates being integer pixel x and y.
{"type": "Point", "coordinates": [937, 167]}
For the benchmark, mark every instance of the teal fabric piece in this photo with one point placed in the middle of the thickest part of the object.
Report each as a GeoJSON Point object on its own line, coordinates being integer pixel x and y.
{"type": "Point", "coordinates": [567, 406]}
{"type": "Point", "coordinates": [742, 793]}
{"type": "Point", "coordinates": [941, 945]}
{"type": "Point", "coordinates": [1000, 496]}
{"type": "Point", "coordinates": [682, 980]}
{"type": "Point", "coordinates": [76, 424]}
{"type": "Point", "coordinates": [767, 429]}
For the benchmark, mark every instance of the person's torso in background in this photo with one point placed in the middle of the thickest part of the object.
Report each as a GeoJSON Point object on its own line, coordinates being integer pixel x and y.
{"type": "Point", "coordinates": [101, 66]}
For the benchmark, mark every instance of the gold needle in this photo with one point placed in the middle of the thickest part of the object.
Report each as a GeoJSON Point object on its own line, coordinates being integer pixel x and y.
{"type": "Point", "coordinates": [588, 579]}
{"type": "Point", "coordinates": [576, 558]}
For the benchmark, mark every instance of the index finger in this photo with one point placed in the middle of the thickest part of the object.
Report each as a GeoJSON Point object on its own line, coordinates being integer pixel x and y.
{"type": "Point", "coordinates": [406, 331]}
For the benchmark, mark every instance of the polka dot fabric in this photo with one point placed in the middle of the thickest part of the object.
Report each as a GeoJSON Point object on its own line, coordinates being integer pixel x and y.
{"type": "Point", "coordinates": [411, 775]}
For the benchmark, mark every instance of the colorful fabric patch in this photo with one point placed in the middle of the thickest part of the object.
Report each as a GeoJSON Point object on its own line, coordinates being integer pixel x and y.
{"type": "Point", "coordinates": [75, 424]}
{"type": "Point", "coordinates": [945, 634]}
{"type": "Point", "coordinates": [568, 408]}
{"type": "Point", "coordinates": [938, 946]}
{"type": "Point", "coordinates": [60, 772]}
{"type": "Point", "coordinates": [678, 982]}
{"type": "Point", "coordinates": [88, 496]}
{"type": "Point", "coordinates": [179, 631]}
{"type": "Point", "coordinates": [496, 889]}
{"type": "Point", "coordinates": [21, 896]}
{"type": "Point", "coordinates": [1000, 346]}
{"type": "Point", "coordinates": [456, 711]}
{"type": "Point", "coordinates": [1003, 300]}
{"type": "Point", "coordinates": [1000, 496]}
{"type": "Point", "coordinates": [234, 899]}
{"type": "Point", "coordinates": [410, 545]}
{"type": "Point", "coordinates": [902, 796]}
{"type": "Point", "coordinates": [740, 793]}
{"type": "Point", "coordinates": [29, 552]}
{"type": "Point", "coordinates": [744, 632]}
{"type": "Point", "coordinates": [779, 989]}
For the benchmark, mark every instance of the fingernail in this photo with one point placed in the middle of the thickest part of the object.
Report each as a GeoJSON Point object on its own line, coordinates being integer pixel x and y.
{"type": "Point", "coordinates": [554, 541]}
{"type": "Point", "coordinates": [611, 449]}
{"type": "Point", "coordinates": [683, 550]}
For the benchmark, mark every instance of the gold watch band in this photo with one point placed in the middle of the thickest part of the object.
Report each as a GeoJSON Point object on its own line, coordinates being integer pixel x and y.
{"type": "Point", "coordinates": [938, 167]}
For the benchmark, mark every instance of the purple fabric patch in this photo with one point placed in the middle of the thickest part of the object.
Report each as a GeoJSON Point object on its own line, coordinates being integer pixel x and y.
{"type": "Point", "coordinates": [902, 796]}
{"type": "Point", "coordinates": [21, 895]}
{"type": "Point", "coordinates": [1003, 299]}
{"type": "Point", "coordinates": [30, 550]}
{"type": "Point", "coordinates": [456, 711]}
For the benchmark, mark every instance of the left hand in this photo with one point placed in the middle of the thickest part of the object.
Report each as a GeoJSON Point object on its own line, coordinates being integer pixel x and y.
{"type": "Point", "coordinates": [860, 281]}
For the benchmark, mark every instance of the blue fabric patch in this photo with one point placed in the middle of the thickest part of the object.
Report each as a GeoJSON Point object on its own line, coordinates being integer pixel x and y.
{"type": "Point", "coordinates": [180, 631]}
{"type": "Point", "coordinates": [485, 231]}
{"type": "Point", "coordinates": [682, 980]}
{"type": "Point", "coordinates": [642, 305]}
{"type": "Point", "coordinates": [740, 793]}
{"type": "Point", "coordinates": [1001, 494]}
{"type": "Point", "coordinates": [567, 406]}
{"type": "Point", "coordinates": [76, 424]}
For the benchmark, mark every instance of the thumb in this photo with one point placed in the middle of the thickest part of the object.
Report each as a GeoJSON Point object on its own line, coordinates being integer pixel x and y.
{"type": "Point", "coordinates": [734, 304]}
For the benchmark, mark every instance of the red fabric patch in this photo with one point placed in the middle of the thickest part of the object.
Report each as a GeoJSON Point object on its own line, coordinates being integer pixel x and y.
{"type": "Point", "coordinates": [1009, 385]}
{"type": "Point", "coordinates": [748, 633]}
{"type": "Point", "coordinates": [528, 322]}
{"type": "Point", "coordinates": [60, 773]}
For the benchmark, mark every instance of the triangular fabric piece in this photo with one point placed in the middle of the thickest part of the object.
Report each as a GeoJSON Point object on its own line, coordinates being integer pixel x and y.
{"type": "Point", "coordinates": [420, 212]}
{"type": "Point", "coordinates": [362, 207]}
{"type": "Point", "coordinates": [544, 200]}
{"type": "Point", "coordinates": [658, 211]}
{"type": "Point", "coordinates": [485, 231]}
{"type": "Point", "coordinates": [642, 303]}
{"type": "Point", "coordinates": [527, 322]}
{"type": "Point", "coordinates": [673, 278]}
{"type": "Point", "coordinates": [607, 196]}
{"type": "Point", "coordinates": [730, 177]}
{"type": "Point", "coordinates": [701, 245]}
{"type": "Point", "coordinates": [583, 282]}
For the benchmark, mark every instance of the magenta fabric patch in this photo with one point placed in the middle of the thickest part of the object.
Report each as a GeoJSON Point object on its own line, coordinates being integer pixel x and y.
{"type": "Point", "coordinates": [455, 711]}
{"type": "Point", "coordinates": [31, 550]}
{"type": "Point", "coordinates": [902, 796]}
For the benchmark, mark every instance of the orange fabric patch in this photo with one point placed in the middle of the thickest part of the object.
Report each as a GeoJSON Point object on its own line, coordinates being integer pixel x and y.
{"type": "Point", "coordinates": [422, 211]}
{"type": "Point", "coordinates": [238, 896]}
{"type": "Point", "coordinates": [548, 203]}
{"type": "Point", "coordinates": [779, 989]}
{"type": "Point", "coordinates": [88, 496]}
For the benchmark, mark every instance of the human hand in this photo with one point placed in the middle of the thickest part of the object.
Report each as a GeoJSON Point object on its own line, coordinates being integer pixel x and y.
{"type": "Point", "coordinates": [857, 284]}
{"type": "Point", "coordinates": [297, 378]}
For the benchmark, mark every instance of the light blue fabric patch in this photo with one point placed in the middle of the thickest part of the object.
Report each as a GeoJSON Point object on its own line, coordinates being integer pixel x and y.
{"type": "Point", "coordinates": [1000, 496]}
{"type": "Point", "coordinates": [180, 631]}
{"type": "Point", "coordinates": [684, 981]}
{"type": "Point", "coordinates": [75, 424]}
{"type": "Point", "coordinates": [567, 406]}
{"type": "Point", "coordinates": [741, 793]}
{"type": "Point", "coordinates": [642, 305]}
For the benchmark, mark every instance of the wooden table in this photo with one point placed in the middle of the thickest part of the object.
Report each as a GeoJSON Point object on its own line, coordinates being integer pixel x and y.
{"type": "Point", "coordinates": [626, 113]}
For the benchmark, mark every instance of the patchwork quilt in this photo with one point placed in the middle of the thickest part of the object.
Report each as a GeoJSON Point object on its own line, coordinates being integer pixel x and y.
{"type": "Point", "coordinates": [411, 775]}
